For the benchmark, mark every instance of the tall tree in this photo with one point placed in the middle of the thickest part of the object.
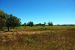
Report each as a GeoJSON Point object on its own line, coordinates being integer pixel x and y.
{"type": "Point", "coordinates": [2, 19]}
{"type": "Point", "coordinates": [12, 22]}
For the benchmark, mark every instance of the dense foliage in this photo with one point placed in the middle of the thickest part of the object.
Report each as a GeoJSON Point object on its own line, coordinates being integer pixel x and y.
{"type": "Point", "coordinates": [2, 19]}
{"type": "Point", "coordinates": [30, 24]}
{"type": "Point", "coordinates": [50, 23]}
{"type": "Point", "coordinates": [8, 20]}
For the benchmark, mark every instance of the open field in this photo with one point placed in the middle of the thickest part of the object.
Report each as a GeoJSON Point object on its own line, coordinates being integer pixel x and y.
{"type": "Point", "coordinates": [55, 38]}
{"type": "Point", "coordinates": [36, 28]}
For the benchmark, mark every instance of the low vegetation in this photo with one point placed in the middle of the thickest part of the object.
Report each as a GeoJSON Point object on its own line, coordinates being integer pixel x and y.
{"type": "Point", "coordinates": [43, 28]}
{"type": "Point", "coordinates": [38, 40]}
{"type": "Point", "coordinates": [30, 36]}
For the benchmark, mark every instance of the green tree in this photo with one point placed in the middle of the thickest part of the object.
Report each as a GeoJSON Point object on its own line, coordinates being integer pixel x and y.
{"type": "Point", "coordinates": [50, 24]}
{"type": "Point", "coordinates": [24, 24]}
{"type": "Point", "coordinates": [44, 24]}
{"type": "Point", "coordinates": [2, 19]}
{"type": "Point", "coordinates": [12, 22]}
{"type": "Point", "coordinates": [40, 24]}
{"type": "Point", "coordinates": [30, 24]}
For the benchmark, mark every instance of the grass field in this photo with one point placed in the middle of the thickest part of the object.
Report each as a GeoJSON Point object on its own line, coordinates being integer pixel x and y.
{"type": "Point", "coordinates": [39, 38]}
{"type": "Point", "coordinates": [36, 28]}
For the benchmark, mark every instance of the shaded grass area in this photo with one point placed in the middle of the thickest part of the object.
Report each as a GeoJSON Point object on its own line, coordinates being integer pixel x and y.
{"type": "Point", "coordinates": [47, 40]}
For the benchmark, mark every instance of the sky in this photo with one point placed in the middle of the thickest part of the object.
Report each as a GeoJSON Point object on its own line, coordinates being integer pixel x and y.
{"type": "Point", "coordinates": [40, 11]}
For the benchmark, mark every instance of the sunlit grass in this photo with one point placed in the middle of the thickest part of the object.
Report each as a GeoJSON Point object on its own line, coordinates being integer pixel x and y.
{"type": "Point", "coordinates": [40, 28]}
{"type": "Point", "coordinates": [44, 40]}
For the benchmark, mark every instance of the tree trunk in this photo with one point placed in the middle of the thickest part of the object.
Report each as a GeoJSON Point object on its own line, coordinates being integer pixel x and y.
{"type": "Point", "coordinates": [8, 28]}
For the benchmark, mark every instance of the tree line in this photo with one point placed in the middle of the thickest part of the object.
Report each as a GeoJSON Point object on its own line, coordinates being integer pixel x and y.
{"type": "Point", "coordinates": [30, 23]}
{"type": "Point", "coordinates": [10, 21]}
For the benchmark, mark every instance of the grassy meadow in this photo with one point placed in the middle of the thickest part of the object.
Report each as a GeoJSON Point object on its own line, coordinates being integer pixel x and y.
{"type": "Point", "coordinates": [42, 28]}
{"type": "Point", "coordinates": [38, 38]}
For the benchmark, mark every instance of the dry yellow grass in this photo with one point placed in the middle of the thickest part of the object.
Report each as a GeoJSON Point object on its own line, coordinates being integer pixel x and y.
{"type": "Point", "coordinates": [38, 40]}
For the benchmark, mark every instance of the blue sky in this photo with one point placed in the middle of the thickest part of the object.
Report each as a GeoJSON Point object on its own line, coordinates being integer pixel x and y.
{"type": "Point", "coordinates": [40, 11]}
